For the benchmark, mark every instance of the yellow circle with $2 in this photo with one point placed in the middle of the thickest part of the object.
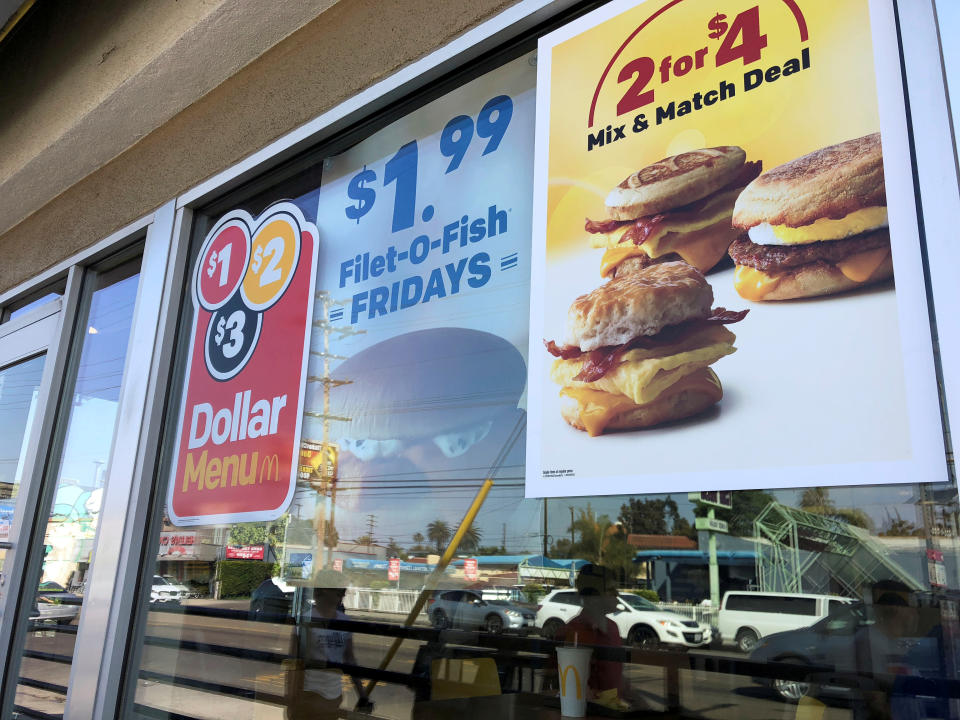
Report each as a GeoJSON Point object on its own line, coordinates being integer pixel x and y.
{"type": "Point", "coordinates": [273, 257]}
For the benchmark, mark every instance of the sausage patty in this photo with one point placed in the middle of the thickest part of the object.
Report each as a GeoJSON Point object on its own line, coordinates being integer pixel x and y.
{"type": "Point", "coordinates": [775, 258]}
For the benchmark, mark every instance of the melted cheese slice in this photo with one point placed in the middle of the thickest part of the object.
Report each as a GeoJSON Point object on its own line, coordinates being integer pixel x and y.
{"type": "Point", "coordinates": [702, 248]}
{"type": "Point", "coordinates": [753, 284]}
{"type": "Point", "coordinates": [861, 266]}
{"type": "Point", "coordinates": [859, 221]}
{"type": "Point", "coordinates": [639, 377]}
{"type": "Point", "coordinates": [610, 239]}
{"type": "Point", "coordinates": [598, 408]}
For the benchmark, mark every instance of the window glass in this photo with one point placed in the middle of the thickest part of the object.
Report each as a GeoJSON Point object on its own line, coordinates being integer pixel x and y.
{"type": "Point", "coordinates": [301, 614]}
{"type": "Point", "coordinates": [74, 514]}
{"type": "Point", "coordinates": [34, 304]}
{"type": "Point", "coordinates": [19, 390]}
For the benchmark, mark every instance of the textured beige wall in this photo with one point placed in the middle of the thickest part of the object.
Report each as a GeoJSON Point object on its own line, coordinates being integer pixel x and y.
{"type": "Point", "coordinates": [54, 206]}
{"type": "Point", "coordinates": [82, 82]}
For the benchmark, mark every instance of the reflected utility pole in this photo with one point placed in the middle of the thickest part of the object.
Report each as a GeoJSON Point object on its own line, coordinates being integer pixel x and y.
{"type": "Point", "coordinates": [323, 478]}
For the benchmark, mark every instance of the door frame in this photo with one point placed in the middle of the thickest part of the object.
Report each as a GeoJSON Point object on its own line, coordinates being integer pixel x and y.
{"type": "Point", "coordinates": [58, 328]}
{"type": "Point", "coordinates": [35, 333]}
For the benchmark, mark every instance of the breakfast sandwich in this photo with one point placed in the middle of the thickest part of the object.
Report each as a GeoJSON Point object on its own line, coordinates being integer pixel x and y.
{"type": "Point", "coordinates": [814, 226]}
{"type": "Point", "coordinates": [640, 349]}
{"type": "Point", "coordinates": [676, 209]}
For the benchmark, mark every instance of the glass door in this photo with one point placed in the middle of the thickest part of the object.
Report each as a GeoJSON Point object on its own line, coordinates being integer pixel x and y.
{"type": "Point", "coordinates": [27, 339]}
{"type": "Point", "coordinates": [67, 513]}
{"type": "Point", "coordinates": [19, 397]}
{"type": "Point", "coordinates": [24, 340]}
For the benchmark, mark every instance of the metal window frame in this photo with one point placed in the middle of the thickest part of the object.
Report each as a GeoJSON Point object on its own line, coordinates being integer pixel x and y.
{"type": "Point", "coordinates": [19, 566]}
{"type": "Point", "coordinates": [937, 186]}
{"type": "Point", "coordinates": [106, 605]}
{"type": "Point", "coordinates": [99, 687]}
{"type": "Point", "coordinates": [47, 435]}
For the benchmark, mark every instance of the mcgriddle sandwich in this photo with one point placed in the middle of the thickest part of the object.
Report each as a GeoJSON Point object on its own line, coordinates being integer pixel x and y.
{"type": "Point", "coordinates": [678, 208]}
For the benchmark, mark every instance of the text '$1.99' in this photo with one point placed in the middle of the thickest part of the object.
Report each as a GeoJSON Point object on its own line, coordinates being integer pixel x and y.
{"type": "Point", "coordinates": [401, 170]}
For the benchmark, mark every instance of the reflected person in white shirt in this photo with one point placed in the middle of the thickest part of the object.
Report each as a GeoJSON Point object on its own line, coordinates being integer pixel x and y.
{"type": "Point", "coordinates": [321, 692]}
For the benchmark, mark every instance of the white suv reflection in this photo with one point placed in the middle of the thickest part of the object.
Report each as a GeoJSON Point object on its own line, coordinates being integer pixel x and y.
{"type": "Point", "coordinates": [639, 621]}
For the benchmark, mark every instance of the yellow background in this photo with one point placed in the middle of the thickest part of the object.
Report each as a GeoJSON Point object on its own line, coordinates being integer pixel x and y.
{"type": "Point", "coordinates": [834, 100]}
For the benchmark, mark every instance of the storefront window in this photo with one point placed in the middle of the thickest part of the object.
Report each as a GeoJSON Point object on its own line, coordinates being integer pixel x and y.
{"type": "Point", "coordinates": [19, 388]}
{"type": "Point", "coordinates": [358, 557]}
{"type": "Point", "coordinates": [33, 302]}
{"type": "Point", "coordinates": [74, 515]}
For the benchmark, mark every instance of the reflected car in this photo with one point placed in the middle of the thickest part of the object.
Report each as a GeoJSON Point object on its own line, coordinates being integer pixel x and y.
{"type": "Point", "coordinates": [270, 601]}
{"type": "Point", "coordinates": [55, 603]}
{"type": "Point", "coordinates": [640, 622]}
{"type": "Point", "coordinates": [185, 590]}
{"type": "Point", "coordinates": [165, 591]}
{"type": "Point", "coordinates": [467, 610]}
{"type": "Point", "coordinates": [836, 646]}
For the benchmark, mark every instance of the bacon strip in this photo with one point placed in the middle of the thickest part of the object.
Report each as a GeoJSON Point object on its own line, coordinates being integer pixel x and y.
{"type": "Point", "coordinates": [566, 352]}
{"type": "Point", "coordinates": [602, 360]}
{"type": "Point", "coordinates": [646, 226]}
{"type": "Point", "coordinates": [604, 226]}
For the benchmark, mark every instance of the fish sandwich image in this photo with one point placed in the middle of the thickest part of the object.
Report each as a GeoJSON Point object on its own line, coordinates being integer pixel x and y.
{"type": "Point", "coordinates": [640, 349]}
{"type": "Point", "coordinates": [816, 225]}
{"type": "Point", "coordinates": [678, 208]}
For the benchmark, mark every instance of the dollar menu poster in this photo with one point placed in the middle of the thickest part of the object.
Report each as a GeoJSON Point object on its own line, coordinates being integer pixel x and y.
{"type": "Point", "coordinates": [727, 281]}
{"type": "Point", "coordinates": [238, 432]}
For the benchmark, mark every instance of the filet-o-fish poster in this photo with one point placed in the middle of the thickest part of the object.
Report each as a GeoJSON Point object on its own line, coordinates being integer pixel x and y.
{"type": "Point", "coordinates": [727, 281]}
{"type": "Point", "coordinates": [424, 268]}
{"type": "Point", "coordinates": [238, 436]}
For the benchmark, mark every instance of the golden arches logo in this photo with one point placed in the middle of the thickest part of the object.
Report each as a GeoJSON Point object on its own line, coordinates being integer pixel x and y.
{"type": "Point", "coordinates": [576, 677]}
{"type": "Point", "coordinates": [270, 468]}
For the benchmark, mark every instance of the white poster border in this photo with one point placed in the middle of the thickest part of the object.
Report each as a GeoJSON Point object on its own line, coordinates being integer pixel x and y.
{"type": "Point", "coordinates": [928, 461]}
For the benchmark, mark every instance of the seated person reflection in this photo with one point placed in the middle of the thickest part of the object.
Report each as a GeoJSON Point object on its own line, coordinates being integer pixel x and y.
{"type": "Point", "coordinates": [895, 646]}
{"type": "Point", "coordinates": [597, 587]}
{"type": "Point", "coordinates": [314, 691]}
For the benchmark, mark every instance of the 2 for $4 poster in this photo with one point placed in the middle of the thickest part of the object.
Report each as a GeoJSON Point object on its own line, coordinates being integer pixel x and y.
{"type": "Point", "coordinates": [831, 380]}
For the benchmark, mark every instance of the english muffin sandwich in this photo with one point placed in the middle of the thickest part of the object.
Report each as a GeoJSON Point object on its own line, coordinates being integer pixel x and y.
{"type": "Point", "coordinates": [815, 226]}
{"type": "Point", "coordinates": [676, 209]}
{"type": "Point", "coordinates": [640, 348]}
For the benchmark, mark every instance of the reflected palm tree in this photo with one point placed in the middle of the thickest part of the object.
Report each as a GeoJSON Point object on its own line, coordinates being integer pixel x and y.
{"type": "Point", "coordinates": [439, 533]}
{"type": "Point", "coordinates": [471, 539]}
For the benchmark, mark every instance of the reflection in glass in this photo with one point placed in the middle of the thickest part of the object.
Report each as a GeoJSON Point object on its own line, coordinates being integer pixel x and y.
{"type": "Point", "coordinates": [75, 511]}
{"type": "Point", "coordinates": [19, 388]}
{"type": "Point", "coordinates": [30, 305]}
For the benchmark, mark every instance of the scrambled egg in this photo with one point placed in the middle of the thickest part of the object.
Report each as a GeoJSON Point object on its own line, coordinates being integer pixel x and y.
{"type": "Point", "coordinates": [857, 222]}
{"type": "Point", "coordinates": [639, 376]}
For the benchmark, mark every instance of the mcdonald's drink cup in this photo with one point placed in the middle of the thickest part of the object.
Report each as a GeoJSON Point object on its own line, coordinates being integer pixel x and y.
{"type": "Point", "coordinates": [573, 664]}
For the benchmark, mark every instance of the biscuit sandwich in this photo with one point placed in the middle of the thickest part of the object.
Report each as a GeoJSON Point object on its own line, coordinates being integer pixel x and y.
{"type": "Point", "coordinates": [640, 349]}
{"type": "Point", "coordinates": [676, 209]}
{"type": "Point", "coordinates": [814, 226]}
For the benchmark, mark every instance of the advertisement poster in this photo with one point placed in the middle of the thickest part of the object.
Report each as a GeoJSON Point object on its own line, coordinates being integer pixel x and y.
{"type": "Point", "coordinates": [727, 282]}
{"type": "Point", "coordinates": [424, 271]}
{"type": "Point", "coordinates": [244, 552]}
{"type": "Point", "coordinates": [177, 544]}
{"type": "Point", "coordinates": [470, 570]}
{"type": "Point", "coordinates": [238, 437]}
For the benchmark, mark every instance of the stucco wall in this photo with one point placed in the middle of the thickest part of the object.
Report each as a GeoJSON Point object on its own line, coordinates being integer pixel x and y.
{"type": "Point", "coordinates": [93, 148]}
